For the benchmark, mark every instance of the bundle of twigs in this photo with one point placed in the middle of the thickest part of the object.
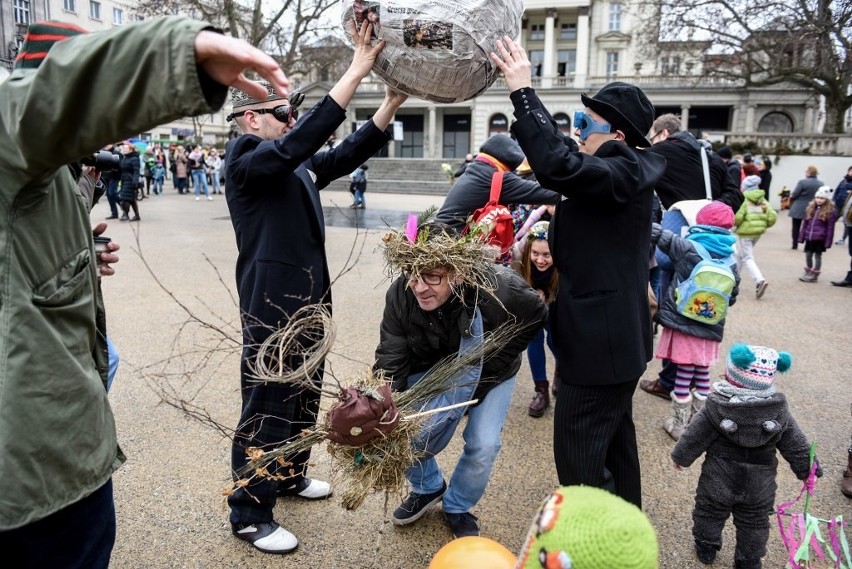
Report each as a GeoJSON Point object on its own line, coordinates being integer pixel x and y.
{"type": "Point", "coordinates": [467, 258]}
{"type": "Point", "coordinates": [380, 464]}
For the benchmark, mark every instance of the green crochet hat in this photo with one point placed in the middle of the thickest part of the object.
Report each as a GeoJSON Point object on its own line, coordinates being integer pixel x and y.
{"type": "Point", "coordinates": [580, 527]}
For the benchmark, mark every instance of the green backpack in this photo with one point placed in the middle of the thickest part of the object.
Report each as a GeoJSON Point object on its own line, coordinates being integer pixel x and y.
{"type": "Point", "coordinates": [705, 295]}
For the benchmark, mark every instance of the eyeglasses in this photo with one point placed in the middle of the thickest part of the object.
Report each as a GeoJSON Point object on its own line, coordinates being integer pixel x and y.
{"type": "Point", "coordinates": [588, 125]}
{"type": "Point", "coordinates": [283, 113]}
{"type": "Point", "coordinates": [431, 279]}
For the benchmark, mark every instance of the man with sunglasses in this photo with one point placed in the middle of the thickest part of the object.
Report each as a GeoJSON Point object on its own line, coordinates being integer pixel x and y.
{"type": "Point", "coordinates": [273, 176]}
{"type": "Point", "coordinates": [600, 241]}
{"type": "Point", "coordinates": [434, 314]}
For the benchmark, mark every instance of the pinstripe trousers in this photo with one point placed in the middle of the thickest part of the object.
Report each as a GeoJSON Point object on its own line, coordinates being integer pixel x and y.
{"type": "Point", "coordinates": [594, 439]}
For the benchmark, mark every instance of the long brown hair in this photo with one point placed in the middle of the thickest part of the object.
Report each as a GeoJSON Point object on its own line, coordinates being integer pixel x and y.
{"type": "Point", "coordinates": [526, 268]}
{"type": "Point", "coordinates": [824, 210]}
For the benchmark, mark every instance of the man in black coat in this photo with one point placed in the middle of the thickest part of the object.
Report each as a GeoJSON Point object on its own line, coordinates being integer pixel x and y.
{"type": "Point", "coordinates": [682, 180]}
{"type": "Point", "coordinates": [601, 319]}
{"type": "Point", "coordinates": [274, 175]}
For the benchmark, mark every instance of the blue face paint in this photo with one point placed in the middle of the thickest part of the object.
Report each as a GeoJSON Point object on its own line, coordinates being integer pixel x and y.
{"type": "Point", "coordinates": [587, 125]}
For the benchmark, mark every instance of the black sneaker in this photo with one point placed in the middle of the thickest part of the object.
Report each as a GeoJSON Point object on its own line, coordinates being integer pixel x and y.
{"type": "Point", "coordinates": [463, 525]}
{"type": "Point", "coordinates": [706, 554]}
{"type": "Point", "coordinates": [415, 505]}
{"type": "Point", "coordinates": [268, 537]}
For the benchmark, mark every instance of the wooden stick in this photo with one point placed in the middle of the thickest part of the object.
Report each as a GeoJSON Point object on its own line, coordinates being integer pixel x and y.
{"type": "Point", "coordinates": [439, 409]}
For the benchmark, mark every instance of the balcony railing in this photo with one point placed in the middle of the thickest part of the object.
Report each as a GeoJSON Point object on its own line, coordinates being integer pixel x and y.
{"type": "Point", "coordinates": [792, 143]}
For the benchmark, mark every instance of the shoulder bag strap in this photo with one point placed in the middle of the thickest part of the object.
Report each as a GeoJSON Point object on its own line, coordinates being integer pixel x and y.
{"type": "Point", "coordinates": [702, 250]}
{"type": "Point", "coordinates": [706, 167]}
{"type": "Point", "coordinates": [496, 188]}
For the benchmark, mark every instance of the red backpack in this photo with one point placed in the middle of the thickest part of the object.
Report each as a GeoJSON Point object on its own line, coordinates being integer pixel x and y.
{"type": "Point", "coordinates": [496, 217]}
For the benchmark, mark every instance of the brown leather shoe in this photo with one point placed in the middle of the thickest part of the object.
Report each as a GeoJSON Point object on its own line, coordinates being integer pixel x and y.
{"type": "Point", "coordinates": [653, 387]}
{"type": "Point", "coordinates": [846, 484]}
{"type": "Point", "coordinates": [541, 399]}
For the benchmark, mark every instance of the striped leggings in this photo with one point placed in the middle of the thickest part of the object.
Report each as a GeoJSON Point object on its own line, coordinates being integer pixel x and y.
{"type": "Point", "coordinates": [687, 374]}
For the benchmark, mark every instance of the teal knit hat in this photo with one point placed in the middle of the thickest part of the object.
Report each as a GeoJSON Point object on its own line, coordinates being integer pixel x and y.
{"type": "Point", "coordinates": [581, 527]}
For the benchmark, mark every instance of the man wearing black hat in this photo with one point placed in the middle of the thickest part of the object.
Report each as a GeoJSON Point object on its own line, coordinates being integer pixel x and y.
{"type": "Point", "coordinates": [273, 176]}
{"type": "Point", "coordinates": [57, 429]}
{"type": "Point", "coordinates": [470, 192]}
{"type": "Point", "coordinates": [600, 241]}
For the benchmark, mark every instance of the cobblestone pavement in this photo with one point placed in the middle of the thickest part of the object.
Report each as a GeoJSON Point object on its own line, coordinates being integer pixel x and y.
{"type": "Point", "coordinates": [168, 495]}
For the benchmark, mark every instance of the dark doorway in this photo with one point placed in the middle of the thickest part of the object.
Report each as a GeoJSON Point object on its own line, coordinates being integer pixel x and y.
{"type": "Point", "coordinates": [456, 136]}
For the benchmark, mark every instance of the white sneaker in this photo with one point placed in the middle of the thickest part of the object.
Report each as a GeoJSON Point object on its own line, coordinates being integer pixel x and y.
{"type": "Point", "coordinates": [197, 198]}
{"type": "Point", "coordinates": [268, 537]}
{"type": "Point", "coordinates": [210, 198]}
{"type": "Point", "coordinates": [307, 488]}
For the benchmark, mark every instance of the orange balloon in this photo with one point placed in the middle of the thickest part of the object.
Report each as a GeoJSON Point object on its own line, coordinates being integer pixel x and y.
{"type": "Point", "coordinates": [473, 551]}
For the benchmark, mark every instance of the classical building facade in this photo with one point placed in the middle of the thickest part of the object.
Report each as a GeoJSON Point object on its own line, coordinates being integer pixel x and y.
{"type": "Point", "coordinates": [94, 15]}
{"type": "Point", "coordinates": [577, 46]}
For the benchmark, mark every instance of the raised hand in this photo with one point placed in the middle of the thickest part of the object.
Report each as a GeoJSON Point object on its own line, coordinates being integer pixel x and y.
{"type": "Point", "coordinates": [225, 59]}
{"type": "Point", "coordinates": [514, 64]}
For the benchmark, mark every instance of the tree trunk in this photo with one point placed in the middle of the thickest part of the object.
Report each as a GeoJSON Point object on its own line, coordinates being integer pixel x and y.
{"type": "Point", "coordinates": [835, 112]}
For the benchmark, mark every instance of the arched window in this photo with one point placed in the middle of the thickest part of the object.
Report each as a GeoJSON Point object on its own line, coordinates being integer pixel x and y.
{"type": "Point", "coordinates": [498, 123]}
{"type": "Point", "coordinates": [563, 123]}
{"type": "Point", "coordinates": [775, 121]}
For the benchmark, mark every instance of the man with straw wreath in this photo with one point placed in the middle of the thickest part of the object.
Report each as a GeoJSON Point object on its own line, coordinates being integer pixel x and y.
{"type": "Point", "coordinates": [274, 173]}
{"type": "Point", "coordinates": [448, 298]}
{"type": "Point", "coordinates": [600, 238]}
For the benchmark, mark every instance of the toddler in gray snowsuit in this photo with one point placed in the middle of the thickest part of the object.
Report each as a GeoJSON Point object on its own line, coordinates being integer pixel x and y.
{"type": "Point", "coordinates": [742, 424]}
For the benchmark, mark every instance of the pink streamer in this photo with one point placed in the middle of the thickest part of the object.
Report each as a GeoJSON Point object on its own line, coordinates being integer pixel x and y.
{"type": "Point", "coordinates": [411, 227]}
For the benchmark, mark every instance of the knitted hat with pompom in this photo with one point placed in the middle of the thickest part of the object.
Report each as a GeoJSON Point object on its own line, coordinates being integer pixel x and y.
{"type": "Point", "coordinates": [754, 367]}
{"type": "Point", "coordinates": [588, 528]}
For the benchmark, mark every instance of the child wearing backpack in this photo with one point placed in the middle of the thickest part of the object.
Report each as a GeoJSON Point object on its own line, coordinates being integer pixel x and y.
{"type": "Point", "coordinates": [753, 218]}
{"type": "Point", "coordinates": [817, 232]}
{"type": "Point", "coordinates": [706, 283]}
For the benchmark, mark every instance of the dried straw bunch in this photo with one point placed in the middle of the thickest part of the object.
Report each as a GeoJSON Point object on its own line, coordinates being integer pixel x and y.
{"type": "Point", "coordinates": [380, 464]}
{"type": "Point", "coordinates": [467, 257]}
{"type": "Point", "coordinates": [294, 353]}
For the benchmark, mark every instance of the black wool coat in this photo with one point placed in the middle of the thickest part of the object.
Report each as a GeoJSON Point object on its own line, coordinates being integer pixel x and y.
{"type": "Point", "coordinates": [129, 166]}
{"type": "Point", "coordinates": [599, 238]}
{"type": "Point", "coordinates": [272, 188]}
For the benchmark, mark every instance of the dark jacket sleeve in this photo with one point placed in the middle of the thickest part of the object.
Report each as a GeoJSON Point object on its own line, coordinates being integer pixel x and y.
{"type": "Point", "coordinates": [725, 189]}
{"type": "Point", "coordinates": [695, 440]}
{"type": "Point", "coordinates": [353, 151]}
{"type": "Point", "coordinates": [392, 354]}
{"type": "Point", "coordinates": [795, 449]}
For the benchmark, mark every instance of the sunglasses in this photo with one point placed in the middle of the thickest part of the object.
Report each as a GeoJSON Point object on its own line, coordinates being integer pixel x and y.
{"type": "Point", "coordinates": [587, 125]}
{"type": "Point", "coordinates": [283, 113]}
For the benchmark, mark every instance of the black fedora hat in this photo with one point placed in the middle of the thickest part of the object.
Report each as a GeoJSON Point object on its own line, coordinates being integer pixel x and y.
{"type": "Point", "coordinates": [626, 108]}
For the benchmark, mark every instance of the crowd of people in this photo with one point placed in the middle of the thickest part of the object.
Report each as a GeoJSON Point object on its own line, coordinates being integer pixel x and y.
{"type": "Point", "coordinates": [592, 306]}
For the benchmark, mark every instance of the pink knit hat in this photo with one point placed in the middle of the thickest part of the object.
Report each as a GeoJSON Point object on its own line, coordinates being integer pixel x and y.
{"type": "Point", "coordinates": [716, 214]}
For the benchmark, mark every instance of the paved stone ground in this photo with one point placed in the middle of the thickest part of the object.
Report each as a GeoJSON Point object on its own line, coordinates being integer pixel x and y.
{"type": "Point", "coordinates": [170, 511]}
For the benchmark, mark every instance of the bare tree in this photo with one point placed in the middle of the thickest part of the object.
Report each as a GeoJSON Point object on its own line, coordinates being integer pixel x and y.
{"type": "Point", "coordinates": [280, 32]}
{"type": "Point", "coordinates": [762, 42]}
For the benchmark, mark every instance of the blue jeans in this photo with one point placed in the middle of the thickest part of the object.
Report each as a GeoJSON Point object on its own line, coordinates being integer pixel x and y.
{"type": "Point", "coordinates": [481, 436]}
{"type": "Point", "coordinates": [112, 197]}
{"type": "Point", "coordinates": [537, 356]}
{"type": "Point", "coordinates": [158, 186]}
{"type": "Point", "coordinates": [359, 198]}
{"type": "Point", "coordinates": [79, 536]}
{"type": "Point", "coordinates": [199, 180]}
{"type": "Point", "coordinates": [113, 362]}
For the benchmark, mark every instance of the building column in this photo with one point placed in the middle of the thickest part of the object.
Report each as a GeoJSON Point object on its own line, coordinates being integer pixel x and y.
{"type": "Point", "coordinates": [548, 65]}
{"type": "Point", "coordinates": [808, 127]}
{"type": "Point", "coordinates": [684, 117]}
{"type": "Point", "coordinates": [432, 129]}
{"type": "Point", "coordinates": [582, 67]}
{"type": "Point", "coordinates": [749, 125]}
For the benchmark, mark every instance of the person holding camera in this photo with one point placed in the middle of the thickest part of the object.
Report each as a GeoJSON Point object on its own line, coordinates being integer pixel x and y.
{"type": "Point", "coordinates": [57, 429]}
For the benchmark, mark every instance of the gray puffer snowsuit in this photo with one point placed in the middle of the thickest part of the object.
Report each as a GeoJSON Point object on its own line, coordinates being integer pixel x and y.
{"type": "Point", "coordinates": [738, 474]}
